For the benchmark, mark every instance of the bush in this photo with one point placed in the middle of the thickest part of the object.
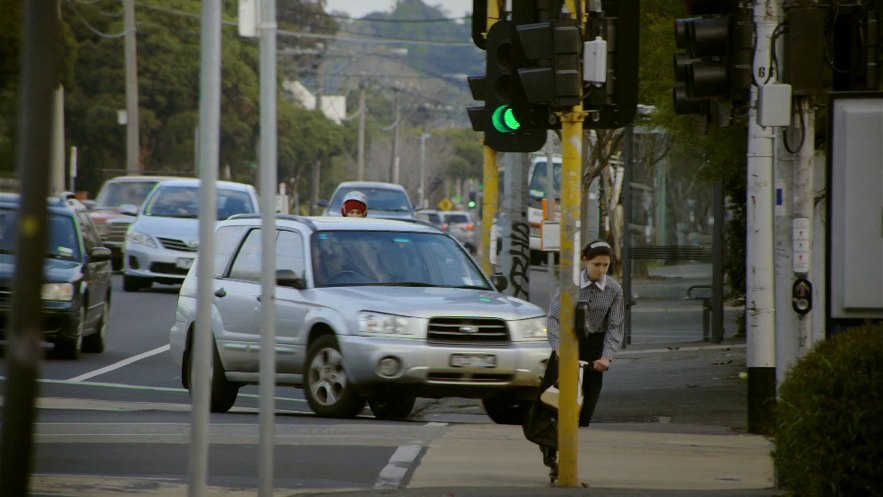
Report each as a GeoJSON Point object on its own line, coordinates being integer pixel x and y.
{"type": "Point", "coordinates": [829, 426]}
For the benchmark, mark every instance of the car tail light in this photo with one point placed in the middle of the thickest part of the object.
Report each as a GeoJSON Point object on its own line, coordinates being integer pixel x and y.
{"type": "Point", "coordinates": [444, 226]}
{"type": "Point", "coordinates": [470, 227]}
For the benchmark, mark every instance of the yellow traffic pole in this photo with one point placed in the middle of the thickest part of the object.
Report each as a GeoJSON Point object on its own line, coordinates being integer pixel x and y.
{"type": "Point", "coordinates": [489, 204]}
{"type": "Point", "coordinates": [568, 414]}
{"type": "Point", "coordinates": [490, 200]}
{"type": "Point", "coordinates": [571, 179]}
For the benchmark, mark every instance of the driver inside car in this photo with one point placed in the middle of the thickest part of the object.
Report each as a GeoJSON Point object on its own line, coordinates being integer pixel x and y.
{"type": "Point", "coordinates": [335, 265]}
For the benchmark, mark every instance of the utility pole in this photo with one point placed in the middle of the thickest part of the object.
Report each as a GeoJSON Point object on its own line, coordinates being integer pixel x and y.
{"type": "Point", "coordinates": [394, 159]}
{"type": "Point", "coordinates": [361, 159]}
{"type": "Point", "coordinates": [133, 147]}
{"type": "Point", "coordinates": [423, 136]}
{"type": "Point", "coordinates": [760, 236]}
{"type": "Point", "coordinates": [39, 78]}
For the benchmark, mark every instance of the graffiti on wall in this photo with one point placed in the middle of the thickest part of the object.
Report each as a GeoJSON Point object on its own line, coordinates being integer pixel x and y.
{"type": "Point", "coordinates": [520, 252]}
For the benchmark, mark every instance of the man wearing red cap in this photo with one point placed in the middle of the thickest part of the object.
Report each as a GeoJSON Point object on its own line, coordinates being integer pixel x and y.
{"type": "Point", "coordinates": [355, 204]}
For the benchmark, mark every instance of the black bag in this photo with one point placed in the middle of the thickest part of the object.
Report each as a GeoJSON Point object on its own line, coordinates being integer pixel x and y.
{"type": "Point", "coordinates": [540, 425]}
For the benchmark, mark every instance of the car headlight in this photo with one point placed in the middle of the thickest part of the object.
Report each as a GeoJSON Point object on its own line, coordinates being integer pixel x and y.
{"type": "Point", "coordinates": [57, 291]}
{"type": "Point", "coordinates": [139, 238]}
{"type": "Point", "coordinates": [528, 330]}
{"type": "Point", "coordinates": [378, 324]}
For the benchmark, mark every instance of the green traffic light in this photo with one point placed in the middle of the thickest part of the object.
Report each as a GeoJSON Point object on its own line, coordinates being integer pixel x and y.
{"type": "Point", "coordinates": [504, 119]}
{"type": "Point", "coordinates": [471, 204]}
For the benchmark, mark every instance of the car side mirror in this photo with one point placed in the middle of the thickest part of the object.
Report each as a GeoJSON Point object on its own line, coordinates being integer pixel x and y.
{"type": "Point", "coordinates": [98, 254]}
{"type": "Point", "coordinates": [322, 202]}
{"type": "Point", "coordinates": [287, 277]}
{"type": "Point", "coordinates": [129, 209]}
{"type": "Point", "coordinates": [500, 282]}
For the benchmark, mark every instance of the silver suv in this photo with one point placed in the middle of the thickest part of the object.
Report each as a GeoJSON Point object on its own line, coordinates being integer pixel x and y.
{"type": "Point", "coordinates": [374, 310]}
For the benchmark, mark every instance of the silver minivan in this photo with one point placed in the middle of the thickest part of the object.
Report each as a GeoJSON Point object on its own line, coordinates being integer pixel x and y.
{"type": "Point", "coordinates": [368, 310]}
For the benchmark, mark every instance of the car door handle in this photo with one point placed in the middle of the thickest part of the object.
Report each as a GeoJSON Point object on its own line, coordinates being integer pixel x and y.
{"type": "Point", "coordinates": [220, 293]}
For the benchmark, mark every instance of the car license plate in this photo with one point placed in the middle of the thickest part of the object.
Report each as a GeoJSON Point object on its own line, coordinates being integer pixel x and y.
{"type": "Point", "coordinates": [473, 361]}
{"type": "Point", "coordinates": [184, 262]}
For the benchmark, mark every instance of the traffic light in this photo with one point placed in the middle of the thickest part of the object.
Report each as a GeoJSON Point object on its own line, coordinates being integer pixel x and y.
{"type": "Point", "coordinates": [505, 118]}
{"type": "Point", "coordinates": [550, 75]}
{"type": "Point", "coordinates": [615, 103]}
{"type": "Point", "coordinates": [717, 62]}
{"type": "Point", "coordinates": [473, 196]}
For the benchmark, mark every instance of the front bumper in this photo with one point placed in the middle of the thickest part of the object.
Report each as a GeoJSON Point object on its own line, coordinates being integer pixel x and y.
{"type": "Point", "coordinates": [160, 263]}
{"type": "Point", "coordinates": [426, 370]}
{"type": "Point", "coordinates": [58, 321]}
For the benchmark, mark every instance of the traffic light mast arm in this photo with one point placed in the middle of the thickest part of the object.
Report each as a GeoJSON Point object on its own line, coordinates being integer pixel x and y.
{"type": "Point", "coordinates": [571, 179]}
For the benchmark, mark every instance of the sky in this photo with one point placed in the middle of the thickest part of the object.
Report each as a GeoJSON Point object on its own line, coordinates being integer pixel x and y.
{"type": "Point", "coordinates": [360, 8]}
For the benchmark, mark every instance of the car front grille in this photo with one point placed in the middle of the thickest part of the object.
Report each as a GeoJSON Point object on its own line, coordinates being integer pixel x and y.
{"type": "Point", "coordinates": [176, 244]}
{"type": "Point", "coordinates": [116, 232]}
{"type": "Point", "coordinates": [472, 331]}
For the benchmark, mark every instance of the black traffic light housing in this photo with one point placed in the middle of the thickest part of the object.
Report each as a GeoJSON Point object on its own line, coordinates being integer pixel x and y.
{"type": "Point", "coordinates": [506, 119]}
{"type": "Point", "coordinates": [615, 104]}
{"type": "Point", "coordinates": [550, 75]}
{"type": "Point", "coordinates": [717, 60]}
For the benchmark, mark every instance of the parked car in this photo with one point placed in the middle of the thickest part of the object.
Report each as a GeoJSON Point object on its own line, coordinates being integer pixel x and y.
{"type": "Point", "coordinates": [374, 310]}
{"type": "Point", "coordinates": [459, 224]}
{"type": "Point", "coordinates": [384, 199]}
{"type": "Point", "coordinates": [77, 287]}
{"type": "Point", "coordinates": [105, 212]}
{"type": "Point", "coordinates": [162, 241]}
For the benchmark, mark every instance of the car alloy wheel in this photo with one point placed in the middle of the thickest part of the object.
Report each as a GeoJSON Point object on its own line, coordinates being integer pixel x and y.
{"type": "Point", "coordinates": [328, 390]}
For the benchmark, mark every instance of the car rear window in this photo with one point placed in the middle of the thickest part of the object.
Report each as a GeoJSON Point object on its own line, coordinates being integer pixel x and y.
{"type": "Point", "coordinates": [379, 199]}
{"type": "Point", "coordinates": [115, 194]}
{"type": "Point", "coordinates": [456, 218]}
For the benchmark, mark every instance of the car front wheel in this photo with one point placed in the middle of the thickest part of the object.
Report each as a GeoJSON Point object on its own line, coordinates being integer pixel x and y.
{"type": "Point", "coordinates": [71, 347]}
{"type": "Point", "coordinates": [327, 388]}
{"type": "Point", "coordinates": [506, 411]}
{"type": "Point", "coordinates": [223, 391]}
{"type": "Point", "coordinates": [97, 341]}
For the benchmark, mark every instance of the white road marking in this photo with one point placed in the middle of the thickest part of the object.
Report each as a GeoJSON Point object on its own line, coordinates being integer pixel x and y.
{"type": "Point", "coordinates": [391, 475]}
{"type": "Point", "coordinates": [119, 364]}
{"type": "Point", "coordinates": [635, 353]}
{"type": "Point", "coordinates": [435, 423]}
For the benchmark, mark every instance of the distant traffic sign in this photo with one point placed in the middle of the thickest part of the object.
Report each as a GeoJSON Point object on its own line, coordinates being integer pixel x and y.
{"type": "Point", "coordinates": [445, 204]}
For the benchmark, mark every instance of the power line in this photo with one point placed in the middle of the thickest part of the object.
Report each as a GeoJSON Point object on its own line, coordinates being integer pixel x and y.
{"type": "Point", "coordinates": [96, 31]}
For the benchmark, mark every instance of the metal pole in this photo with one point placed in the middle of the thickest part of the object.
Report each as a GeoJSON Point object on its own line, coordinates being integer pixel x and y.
{"type": "Point", "coordinates": [490, 203]}
{"type": "Point", "coordinates": [209, 145]}
{"type": "Point", "coordinates": [423, 136]}
{"type": "Point", "coordinates": [394, 158]}
{"type": "Point", "coordinates": [717, 258]}
{"type": "Point", "coordinates": [267, 171]}
{"type": "Point", "coordinates": [361, 158]}
{"type": "Point", "coordinates": [571, 181]}
{"type": "Point", "coordinates": [56, 168]}
{"type": "Point", "coordinates": [72, 170]}
{"type": "Point", "coordinates": [133, 147]}
{"type": "Point", "coordinates": [760, 295]}
{"type": "Point", "coordinates": [39, 78]}
{"type": "Point", "coordinates": [568, 437]}
{"type": "Point", "coordinates": [550, 203]}
{"type": "Point", "coordinates": [628, 164]}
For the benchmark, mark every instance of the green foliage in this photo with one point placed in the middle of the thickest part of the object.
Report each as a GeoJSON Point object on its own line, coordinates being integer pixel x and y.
{"type": "Point", "coordinates": [830, 418]}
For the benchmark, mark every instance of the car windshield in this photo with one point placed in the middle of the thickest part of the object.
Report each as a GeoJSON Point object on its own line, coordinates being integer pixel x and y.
{"type": "Point", "coordinates": [379, 199]}
{"type": "Point", "coordinates": [115, 194]}
{"type": "Point", "coordinates": [358, 258]}
{"type": "Point", "coordinates": [538, 180]}
{"type": "Point", "coordinates": [183, 202]}
{"type": "Point", "coordinates": [62, 239]}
